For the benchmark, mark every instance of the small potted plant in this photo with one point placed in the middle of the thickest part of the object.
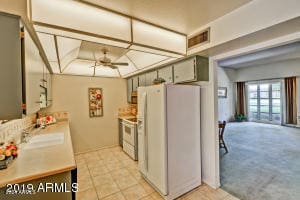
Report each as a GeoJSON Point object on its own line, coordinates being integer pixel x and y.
{"type": "Point", "coordinates": [240, 117]}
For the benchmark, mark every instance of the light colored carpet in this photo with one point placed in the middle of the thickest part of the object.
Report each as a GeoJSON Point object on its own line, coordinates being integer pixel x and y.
{"type": "Point", "coordinates": [263, 162]}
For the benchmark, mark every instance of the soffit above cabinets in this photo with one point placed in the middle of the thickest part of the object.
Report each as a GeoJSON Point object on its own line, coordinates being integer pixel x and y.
{"type": "Point", "coordinates": [77, 57]}
{"type": "Point", "coordinates": [87, 22]}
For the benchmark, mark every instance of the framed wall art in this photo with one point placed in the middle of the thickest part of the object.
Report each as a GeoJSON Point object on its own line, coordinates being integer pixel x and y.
{"type": "Point", "coordinates": [95, 102]}
{"type": "Point", "coordinates": [222, 92]}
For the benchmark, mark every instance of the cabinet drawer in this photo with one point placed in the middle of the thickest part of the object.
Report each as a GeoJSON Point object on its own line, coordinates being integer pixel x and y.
{"type": "Point", "coordinates": [129, 149]}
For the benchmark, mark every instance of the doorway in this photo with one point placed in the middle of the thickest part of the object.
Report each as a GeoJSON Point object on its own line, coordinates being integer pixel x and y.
{"type": "Point", "coordinates": [264, 102]}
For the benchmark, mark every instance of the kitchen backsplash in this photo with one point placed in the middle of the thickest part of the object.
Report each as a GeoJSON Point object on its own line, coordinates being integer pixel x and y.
{"type": "Point", "coordinates": [130, 109]}
{"type": "Point", "coordinates": [12, 130]}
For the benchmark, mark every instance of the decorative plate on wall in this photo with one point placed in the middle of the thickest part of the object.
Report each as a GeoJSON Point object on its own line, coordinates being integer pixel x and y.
{"type": "Point", "coordinates": [95, 102]}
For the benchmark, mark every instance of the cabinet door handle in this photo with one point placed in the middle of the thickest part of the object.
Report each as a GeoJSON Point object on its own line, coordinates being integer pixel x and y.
{"type": "Point", "coordinates": [38, 102]}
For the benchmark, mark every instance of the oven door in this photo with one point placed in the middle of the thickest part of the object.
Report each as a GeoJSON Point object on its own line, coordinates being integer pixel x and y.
{"type": "Point", "coordinates": [128, 132]}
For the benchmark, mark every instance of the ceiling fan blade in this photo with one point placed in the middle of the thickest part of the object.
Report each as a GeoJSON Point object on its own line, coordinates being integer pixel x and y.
{"type": "Point", "coordinates": [112, 66]}
{"type": "Point", "coordinates": [119, 63]}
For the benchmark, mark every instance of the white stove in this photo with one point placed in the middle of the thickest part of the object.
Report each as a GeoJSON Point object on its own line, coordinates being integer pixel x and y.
{"type": "Point", "coordinates": [129, 127]}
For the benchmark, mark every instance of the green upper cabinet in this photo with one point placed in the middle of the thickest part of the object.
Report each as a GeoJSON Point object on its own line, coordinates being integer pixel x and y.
{"type": "Point", "coordinates": [191, 70]}
{"type": "Point", "coordinates": [150, 77]}
{"type": "Point", "coordinates": [166, 73]}
{"type": "Point", "coordinates": [135, 83]}
{"type": "Point", "coordinates": [142, 80]}
{"type": "Point", "coordinates": [10, 68]}
{"type": "Point", "coordinates": [187, 70]}
{"type": "Point", "coordinates": [129, 89]}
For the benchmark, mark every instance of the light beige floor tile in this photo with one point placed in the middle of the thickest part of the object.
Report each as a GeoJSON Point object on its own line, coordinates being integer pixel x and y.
{"type": "Point", "coordinates": [84, 184]}
{"type": "Point", "coordinates": [156, 196]}
{"type": "Point", "coordinates": [119, 173]}
{"type": "Point", "coordinates": [147, 198]}
{"type": "Point", "coordinates": [116, 149]}
{"type": "Point", "coordinates": [107, 189]}
{"type": "Point", "coordinates": [80, 162]}
{"type": "Point", "coordinates": [137, 175]}
{"type": "Point", "coordinates": [230, 197]}
{"type": "Point", "coordinates": [134, 192]}
{"type": "Point", "coordinates": [91, 159]}
{"type": "Point", "coordinates": [97, 171]}
{"type": "Point", "coordinates": [96, 163]}
{"type": "Point", "coordinates": [125, 181]}
{"type": "Point", "coordinates": [105, 155]}
{"type": "Point", "coordinates": [110, 160]}
{"type": "Point", "coordinates": [195, 195]}
{"type": "Point", "coordinates": [128, 162]}
{"type": "Point", "coordinates": [82, 167]}
{"type": "Point", "coordinates": [215, 194]}
{"type": "Point", "coordinates": [114, 166]}
{"type": "Point", "coordinates": [89, 194]}
{"type": "Point", "coordinates": [83, 174]}
{"type": "Point", "coordinates": [116, 196]}
{"type": "Point", "coordinates": [102, 179]}
{"type": "Point", "coordinates": [147, 187]}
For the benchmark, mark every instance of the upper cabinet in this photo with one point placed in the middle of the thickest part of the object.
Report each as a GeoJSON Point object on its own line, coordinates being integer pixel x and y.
{"type": "Point", "coordinates": [191, 70]}
{"type": "Point", "coordinates": [187, 70]}
{"type": "Point", "coordinates": [150, 77]}
{"type": "Point", "coordinates": [135, 83]}
{"type": "Point", "coordinates": [142, 80]}
{"type": "Point", "coordinates": [166, 73]}
{"type": "Point", "coordinates": [129, 89]}
{"type": "Point", "coordinates": [10, 68]}
{"type": "Point", "coordinates": [24, 78]}
{"type": "Point", "coordinates": [34, 76]}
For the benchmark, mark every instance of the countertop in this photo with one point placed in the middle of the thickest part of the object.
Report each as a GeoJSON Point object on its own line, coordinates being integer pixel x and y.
{"type": "Point", "coordinates": [40, 162]}
{"type": "Point", "coordinates": [127, 116]}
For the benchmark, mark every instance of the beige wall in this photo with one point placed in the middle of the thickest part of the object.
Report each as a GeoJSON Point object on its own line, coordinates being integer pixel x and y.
{"type": "Point", "coordinates": [70, 93]}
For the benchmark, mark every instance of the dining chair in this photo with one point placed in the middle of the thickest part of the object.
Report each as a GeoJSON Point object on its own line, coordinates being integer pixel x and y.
{"type": "Point", "coordinates": [221, 135]}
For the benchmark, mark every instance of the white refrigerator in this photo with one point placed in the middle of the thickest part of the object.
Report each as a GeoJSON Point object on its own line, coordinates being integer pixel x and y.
{"type": "Point", "coordinates": [169, 155]}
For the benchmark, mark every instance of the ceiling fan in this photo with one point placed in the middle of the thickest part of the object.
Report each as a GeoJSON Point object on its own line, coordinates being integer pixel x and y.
{"type": "Point", "coordinates": [106, 62]}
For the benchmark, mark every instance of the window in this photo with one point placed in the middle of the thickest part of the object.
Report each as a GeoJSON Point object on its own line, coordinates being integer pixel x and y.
{"type": "Point", "coordinates": [264, 102]}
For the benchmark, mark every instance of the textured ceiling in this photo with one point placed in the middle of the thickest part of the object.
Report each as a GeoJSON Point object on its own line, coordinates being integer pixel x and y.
{"type": "Point", "coordinates": [183, 16]}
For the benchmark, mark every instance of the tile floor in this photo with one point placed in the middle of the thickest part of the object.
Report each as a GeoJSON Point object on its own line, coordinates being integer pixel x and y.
{"type": "Point", "coordinates": [109, 174]}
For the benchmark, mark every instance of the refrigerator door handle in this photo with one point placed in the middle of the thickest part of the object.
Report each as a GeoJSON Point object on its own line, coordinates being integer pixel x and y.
{"type": "Point", "coordinates": [145, 131]}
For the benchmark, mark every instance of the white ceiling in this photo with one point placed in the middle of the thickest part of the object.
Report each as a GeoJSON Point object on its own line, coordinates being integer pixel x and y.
{"type": "Point", "coordinates": [183, 16]}
{"type": "Point", "coordinates": [275, 54]}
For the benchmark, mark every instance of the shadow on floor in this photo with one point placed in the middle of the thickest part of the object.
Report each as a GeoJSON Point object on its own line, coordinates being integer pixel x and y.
{"type": "Point", "coordinates": [263, 162]}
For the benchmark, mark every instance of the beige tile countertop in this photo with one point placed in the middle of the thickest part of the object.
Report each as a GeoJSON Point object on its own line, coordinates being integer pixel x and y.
{"type": "Point", "coordinates": [43, 161]}
{"type": "Point", "coordinates": [126, 116]}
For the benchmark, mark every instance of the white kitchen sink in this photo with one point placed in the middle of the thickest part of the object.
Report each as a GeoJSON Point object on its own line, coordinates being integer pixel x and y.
{"type": "Point", "coordinates": [45, 140]}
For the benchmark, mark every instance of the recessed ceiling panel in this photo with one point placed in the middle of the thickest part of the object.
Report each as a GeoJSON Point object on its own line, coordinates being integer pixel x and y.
{"type": "Point", "coordinates": [80, 36]}
{"type": "Point", "coordinates": [69, 58]}
{"type": "Point", "coordinates": [48, 44]}
{"type": "Point", "coordinates": [142, 59]}
{"type": "Point", "coordinates": [92, 51]}
{"type": "Point", "coordinates": [106, 71]}
{"type": "Point", "coordinates": [66, 46]}
{"type": "Point", "coordinates": [80, 67]}
{"type": "Point", "coordinates": [82, 17]}
{"type": "Point", "coordinates": [126, 69]}
{"type": "Point", "coordinates": [55, 67]}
